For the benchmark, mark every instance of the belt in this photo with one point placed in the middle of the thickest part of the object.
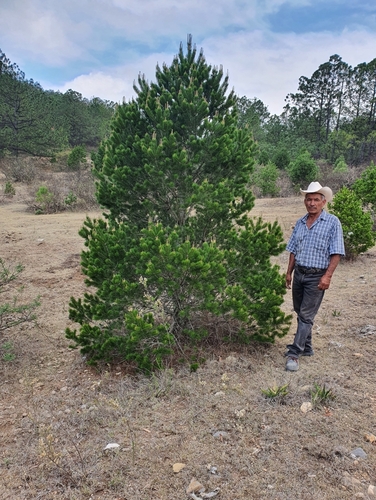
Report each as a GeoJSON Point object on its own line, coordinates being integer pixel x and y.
{"type": "Point", "coordinates": [310, 270]}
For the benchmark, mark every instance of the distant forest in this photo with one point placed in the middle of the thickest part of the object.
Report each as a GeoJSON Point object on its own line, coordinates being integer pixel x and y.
{"type": "Point", "coordinates": [40, 122]}
{"type": "Point", "coordinates": [331, 116]}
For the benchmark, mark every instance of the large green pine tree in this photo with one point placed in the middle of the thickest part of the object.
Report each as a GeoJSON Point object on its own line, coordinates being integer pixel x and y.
{"type": "Point", "coordinates": [177, 245]}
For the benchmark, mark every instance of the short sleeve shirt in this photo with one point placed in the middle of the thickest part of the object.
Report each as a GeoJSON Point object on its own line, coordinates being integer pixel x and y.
{"type": "Point", "coordinates": [313, 247]}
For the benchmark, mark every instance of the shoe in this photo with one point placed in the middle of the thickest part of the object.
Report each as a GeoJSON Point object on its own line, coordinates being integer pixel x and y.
{"type": "Point", "coordinates": [292, 364]}
{"type": "Point", "coordinates": [309, 352]}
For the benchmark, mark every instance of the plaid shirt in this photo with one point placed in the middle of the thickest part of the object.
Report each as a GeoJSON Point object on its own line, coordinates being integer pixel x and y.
{"type": "Point", "coordinates": [313, 247]}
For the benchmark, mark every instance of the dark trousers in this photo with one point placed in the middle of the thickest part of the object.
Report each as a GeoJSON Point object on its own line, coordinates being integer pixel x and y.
{"type": "Point", "coordinates": [307, 299]}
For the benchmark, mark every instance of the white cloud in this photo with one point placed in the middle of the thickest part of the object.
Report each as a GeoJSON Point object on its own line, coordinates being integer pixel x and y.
{"type": "Point", "coordinates": [260, 64]}
{"type": "Point", "coordinates": [113, 84]}
{"type": "Point", "coordinates": [61, 31]}
{"type": "Point", "coordinates": [41, 34]}
{"type": "Point", "coordinates": [98, 84]}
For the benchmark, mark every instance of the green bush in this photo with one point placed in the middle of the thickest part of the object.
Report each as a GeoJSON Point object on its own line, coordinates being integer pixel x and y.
{"type": "Point", "coordinates": [265, 179]}
{"type": "Point", "coordinates": [263, 157]}
{"type": "Point", "coordinates": [356, 224]}
{"type": "Point", "coordinates": [70, 199]}
{"type": "Point", "coordinates": [365, 187]}
{"type": "Point", "coordinates": [303, 170]}
{"type": "Point", "coordinates": [76, 157]}
{"type": "Point", "coordinates": [9, 189]}
{"type": "Point", "coordinates": [44, 199]}
{"type": "Point", "coordinates": [281, 159]}
{"type": "Point", "coordinates": [340, 165]}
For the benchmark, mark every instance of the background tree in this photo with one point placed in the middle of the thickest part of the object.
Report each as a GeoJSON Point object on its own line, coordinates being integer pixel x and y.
{"type": "Point", "coordinates": [365, 188]}
{"type": "Point", "coordinates": [281, 158]}
{"type": "Point", "coordinates": [26, 123]}
{"type": "Point", "coordinates": [265, 179]}
{"type": "Point", "coordinates": [320, 98]}
{"type": "Point", "coordinates": [303, 169]}
{"type": "Point", "coordinates": [76, 157]}
{"type": "Point", "coordinates": [253, 115]}
{"type": "Point", "coordinates": [356, 224]}
{"type": "Point", "coordinates": [38, 122]}
{"type": "Point", "coordinates": [177, 247]}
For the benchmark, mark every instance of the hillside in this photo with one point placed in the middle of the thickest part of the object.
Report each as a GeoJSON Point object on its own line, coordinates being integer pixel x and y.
{"type": "Point", "coordinates": [57, 415]}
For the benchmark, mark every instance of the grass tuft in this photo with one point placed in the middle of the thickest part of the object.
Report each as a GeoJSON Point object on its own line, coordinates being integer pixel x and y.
{"type": "Point", "coordinates": [320, 394]}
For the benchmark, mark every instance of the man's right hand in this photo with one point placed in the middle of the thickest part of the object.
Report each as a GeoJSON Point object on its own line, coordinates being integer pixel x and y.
{"type": "Point", "coordinates": [288, 280]}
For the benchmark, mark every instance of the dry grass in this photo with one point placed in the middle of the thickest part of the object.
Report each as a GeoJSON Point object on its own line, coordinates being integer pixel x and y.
{"type": "Point", "coordinates": [70, 190]}
{"type": "Point", "coordinates": [57, 415]}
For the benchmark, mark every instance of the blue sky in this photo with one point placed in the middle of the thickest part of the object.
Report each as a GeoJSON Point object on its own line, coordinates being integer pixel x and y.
{"type": "Point", "coordinates": [98, 47]}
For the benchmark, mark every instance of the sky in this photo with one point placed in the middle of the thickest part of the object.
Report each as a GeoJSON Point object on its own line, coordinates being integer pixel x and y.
{"type": "Point", "coordinates": [99, 47]}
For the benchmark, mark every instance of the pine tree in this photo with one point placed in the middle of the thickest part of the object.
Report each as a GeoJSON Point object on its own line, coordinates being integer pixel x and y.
{"type": "Point", "coordinates": [177, 244]}
{"type": "Point", "coordinates": [356, 223]}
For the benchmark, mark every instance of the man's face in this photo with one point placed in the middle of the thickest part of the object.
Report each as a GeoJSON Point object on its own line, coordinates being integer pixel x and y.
{"type": "Point", "coordinates": [314, 203]}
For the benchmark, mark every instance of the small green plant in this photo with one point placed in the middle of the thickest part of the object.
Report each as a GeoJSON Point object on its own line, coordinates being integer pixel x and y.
{"type": "Point", "coordinates": [336, 313]}
{"type": "Point", "coordinates": [281, 159]}
{"type": "Point", "coordinates": [320, 394]}
{"type": "Point", "coordinates": [365, 187]}
{"type": "Point", "coordinates": [340, 165]}
{"type": "Point", "coordinates": [263, 158]}
{"type": "Point", "coordinates": [13, 313]}
{"type": "Point", "coordinates": [70, 199]}
{"type": "Point", "coordinates": [162, 382]}
{"type": "Point", "coordinates": [8, 354]}
{"type": "Point", "coordinates": [44, 198]}
{"type": "Point", "coordinates": [303, 169]}
{"type": "Point", "coordinates": [9, 189]}
{"type": "Point", "coordinates": [265, 178]}
{"type": "Point", "coordinates": [276, 392]}
{"type": "Point", "coordinates": [76, 157]}
{"type": "Point", "coordinates": [356, 223]}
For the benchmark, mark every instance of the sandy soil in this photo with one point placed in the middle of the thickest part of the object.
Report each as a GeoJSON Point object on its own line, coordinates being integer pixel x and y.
{"type": "Point", "coordinates": [56, 415]}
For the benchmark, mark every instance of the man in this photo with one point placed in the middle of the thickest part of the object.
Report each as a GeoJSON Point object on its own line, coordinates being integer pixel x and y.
{"type": "Point", "coordinates": [316, 246]}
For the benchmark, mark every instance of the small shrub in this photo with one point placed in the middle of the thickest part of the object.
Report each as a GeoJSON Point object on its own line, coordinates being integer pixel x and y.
{"type": "Point", "coordinates": [71, 199]}
{"type": "Point", "coordinates": [340, 165]}
{"type": "Point", "coordinates": [265, 179]}
{"type": "Point", "coordinates": [263, 158]}
{"type": "Point", "coordinates": [14, 313]}
{"type": "Point", "coordinates": [320, 394]}
{"type": "Point", "coordinates": [365, 187]}
{"type": "Point", "coordinates": [356, 224]}
{"type": "Point", "coordinates": [45, 199]}
{"type": "Point", "coordinates": [9, 189]}
{"type": "Point", "coordinates": [303, 169]}
{"type": "Point", "coordinates": [281, 159]}
{"type": "Point", "coordinates": [7, 352]}
{"type": "Point", "coordinates": [22, 170]}
{"type": "Point", "coordinates": [76, 157]}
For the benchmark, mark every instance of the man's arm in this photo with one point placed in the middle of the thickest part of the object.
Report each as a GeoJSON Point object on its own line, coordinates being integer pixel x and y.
{"type": "Point", "coordinates": [290, 269]}
{"type": "Point", "coordinates": [325, 280]}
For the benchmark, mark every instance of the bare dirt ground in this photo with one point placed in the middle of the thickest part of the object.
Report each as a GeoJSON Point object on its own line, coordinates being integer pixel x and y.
{"type": "Point", "coordinates": [57, 415]}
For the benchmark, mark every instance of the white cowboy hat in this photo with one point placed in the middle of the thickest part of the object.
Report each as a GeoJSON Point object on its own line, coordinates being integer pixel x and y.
{"type": "Point", "coordinates": [316, 187]}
